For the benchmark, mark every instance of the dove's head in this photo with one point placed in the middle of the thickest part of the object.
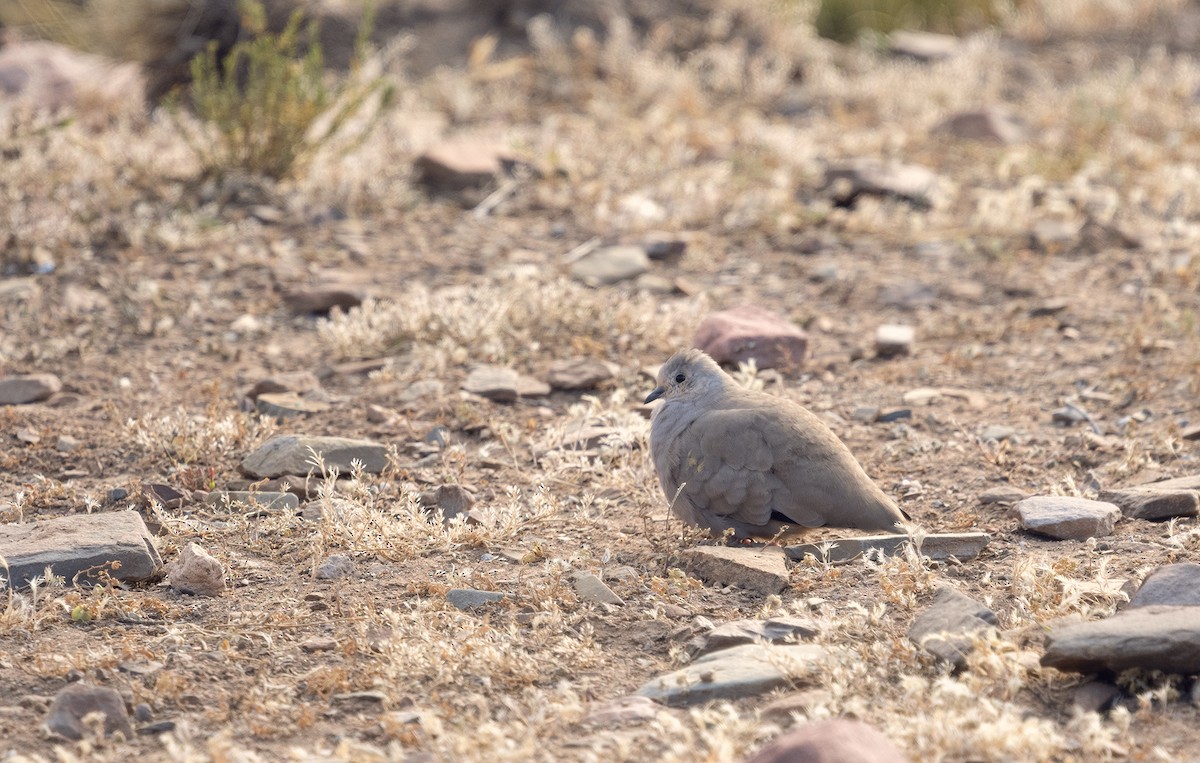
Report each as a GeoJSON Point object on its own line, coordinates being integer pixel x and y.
{"type": "Point", "coordinates": [688, 375]}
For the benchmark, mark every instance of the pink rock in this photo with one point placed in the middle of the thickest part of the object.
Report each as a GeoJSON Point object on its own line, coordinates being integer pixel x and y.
{"type": "Point", "coordinates": [834, 741]}
{"type": "Point", "coordinates": [741, 333]}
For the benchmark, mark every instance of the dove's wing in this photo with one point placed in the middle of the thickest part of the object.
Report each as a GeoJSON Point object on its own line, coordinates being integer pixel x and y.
{"type": "Point", "coordinates": [774, 461]}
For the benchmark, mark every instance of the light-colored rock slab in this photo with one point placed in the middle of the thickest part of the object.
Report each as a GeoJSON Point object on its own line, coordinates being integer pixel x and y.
{"type": "Point", "coordinates": [289, 454]}
{"type": "Point", "coordinates": [248, 500]}
{"type": "Point", "coordinates": [592, 589]}
{"type": "Point", "coordinates": [1067, 518]}
{"type": "Point", "coordinates": [741, 671]}
{"type": "Point", "coordinates": [610, 264]}
{"type": "Point", "coordinates": [77, 547]}
{"type": "Point", "coordinates": [1154, 504]}
{"type": "Point", "coordinates": [756, 569]}
{"type": "Point", "coordinates": [961, 546]}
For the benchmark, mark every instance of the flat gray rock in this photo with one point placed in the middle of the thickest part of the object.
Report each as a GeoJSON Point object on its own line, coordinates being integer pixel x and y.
{"type": "Point", "coordinates": [288, 454]}
{"type": "Point", "coordinates": [453, 500]}
{"type": "Point", "coordinates": [1066, 518]}
{"type": "Point", "coordinates": [470, 598]}
{"type": "Point", "coordinates": [503, 385]}
{"type": "Point", "coordinates": [774, 630]}
{"type": "Point", "coordinates": [741, 671]}
{"type": "Point", "coordinates": [610, 264]}
{"type": "Point", "coordinates": [961, 546]}
{"type": "Point", "coordinates": [756, 569]}
{"type": "Point", "coordinates": [946, 628]}
{"type": "Point", "coordinates": [592, 589]}
{"type": "Point", "coordinates": [286, 405]}
{"type": "Point", "coordinates": [33, 388]}
{"type": "Point", "coordinates": [1150, 638]}
{"type": "Point", "coordinates": [1173, 585]}
{"type": "Point", "coordinates": [581, 373]}
{"type": "Point", "coordinates": [990, 123]}
{"type": "Point", "coordinates": [74, 702]}
{"type": "Point", "coordinates": [80, 544]}
{"type": "Point", "coordinates": [1189, 482]}
{"type": "Point", "coordinates": [1154, 503]}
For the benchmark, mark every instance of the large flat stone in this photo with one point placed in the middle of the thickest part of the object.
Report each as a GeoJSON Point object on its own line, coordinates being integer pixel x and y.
{"type": "Point", "coordinates": [1154, 503]}
{"type": "Point", "coordinates": [79, 543]}
{"type": "Point", "coordinates": [749, 332]}
{"type": "Point", "coordinates": [293, 454]}
{"type": "Point", "coordinates": [19, 390]}
{"type": "Point", "coordinates": [961, 546]}
{"type": "Point", "coordinates": [757, 569]}
{"type": "Point", "coordinates": [1172, 584]}
{"type": "Point", "coordinates": [1066, 518]}
{"type": "Point", "coordinates": [741, 671]}
{"type": "Point", "coordinates": [1152, 638]}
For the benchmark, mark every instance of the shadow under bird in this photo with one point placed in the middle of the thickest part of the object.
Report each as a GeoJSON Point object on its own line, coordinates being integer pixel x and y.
{"type": "Point", "coordinates": [751, 462]}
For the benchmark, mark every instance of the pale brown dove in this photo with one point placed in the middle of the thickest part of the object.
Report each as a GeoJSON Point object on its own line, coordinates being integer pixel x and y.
{"type": "Point", "coordinates": [750, 462]}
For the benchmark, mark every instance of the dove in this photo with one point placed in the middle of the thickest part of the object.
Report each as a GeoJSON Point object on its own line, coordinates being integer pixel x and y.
{"type": "Point", "coordinates": [746, 461]}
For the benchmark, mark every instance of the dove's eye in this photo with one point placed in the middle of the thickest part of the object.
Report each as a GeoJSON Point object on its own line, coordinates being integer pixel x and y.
{"type": "Point", "coordinates": [680, 378]}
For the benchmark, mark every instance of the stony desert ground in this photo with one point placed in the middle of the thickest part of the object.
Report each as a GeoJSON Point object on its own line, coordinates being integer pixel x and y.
{"type": "Point", "coordinates": [476, 291]}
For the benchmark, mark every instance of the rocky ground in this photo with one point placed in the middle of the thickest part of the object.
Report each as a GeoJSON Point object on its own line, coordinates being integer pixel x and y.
{"type": "Point", "coordinates": [424, 359]}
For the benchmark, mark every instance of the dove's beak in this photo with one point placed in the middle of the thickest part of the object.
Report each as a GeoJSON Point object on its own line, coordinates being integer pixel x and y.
{"type": "Point", "coordinates": [656, 394]}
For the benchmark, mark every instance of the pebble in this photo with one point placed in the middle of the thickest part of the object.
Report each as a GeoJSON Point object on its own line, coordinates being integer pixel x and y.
{"type": "Point", "coordinates": [608, 265]}
{"type": "Point", "coordinates": [67, 444]}
{"type": "Point", "coordinates": [470, 598]}
{"type": "Point", "coordinates": [892, 340]}
{"type": "Point", "coordinates": [866, 414]}
{"type": "Point", "coordinates": [423, 389]}
{"type": "Point", "coordinates": [756, 569]}
{"type": "Point", "coordinates": [74, 546]}
{"type": "Point", "coordinates": [783, 709]}
{"type": "Point", "coordinates": [997, 433]}
{"type": "Point", "coordinates": [1005, 494]}
{"type": "Point", "coordinates": [741, 671]}
{"type": "Point", "coordinates": [837, 740]}
{"type": "Point", "coordinates": [196, 572]}
{"type": "Point", "coordinates": [774, 630]}
{"type": "Point", "coordinates": [453, 500]}
{"type": "Point", "coordinates": [1095, 696]}
{"type": "Point", "coordinates": [1066, 518]}
{"type": "Point", "coordinates": [322, 301]}
{"type": "Point", "coordinates": [33, 388]}
{"type": "Point", "coordinates": [909, 182]}
{"type": "Point", "coordinates": [462, 164]}
{"type": "Point", "coordinates": [503, 385]}
{"type": "Point", "coordinates": [76, 701]}
{"type": "Point", "coordinates": [947, 627]}
{"type": "Point", "coordinates": [593, 590]}
{"type": "Point", "coordinates": [285, 405]}
{"type": "Point", "coordinates": [749, 332]}
{"type": "Point", "coordinates": [989, 124]}
{"type": "Point", "coordinates": [923, 46]}
{"type": "Point", "coordinates": [335, 567]}
{"type": "Point", "coordinates": [581, 373]}
{"type": "Point", "coordinates": [291, 454]}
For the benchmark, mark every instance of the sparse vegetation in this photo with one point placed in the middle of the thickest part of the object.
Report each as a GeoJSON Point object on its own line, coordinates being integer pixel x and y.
{"type": "Point", "coordinates": [267, 106]}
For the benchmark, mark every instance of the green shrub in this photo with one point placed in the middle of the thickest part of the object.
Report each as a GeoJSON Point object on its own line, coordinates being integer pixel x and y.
{"type": "Point", "coordinates": [268, 106]}
{"type": "Point", "coordinates": [845, 20]}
